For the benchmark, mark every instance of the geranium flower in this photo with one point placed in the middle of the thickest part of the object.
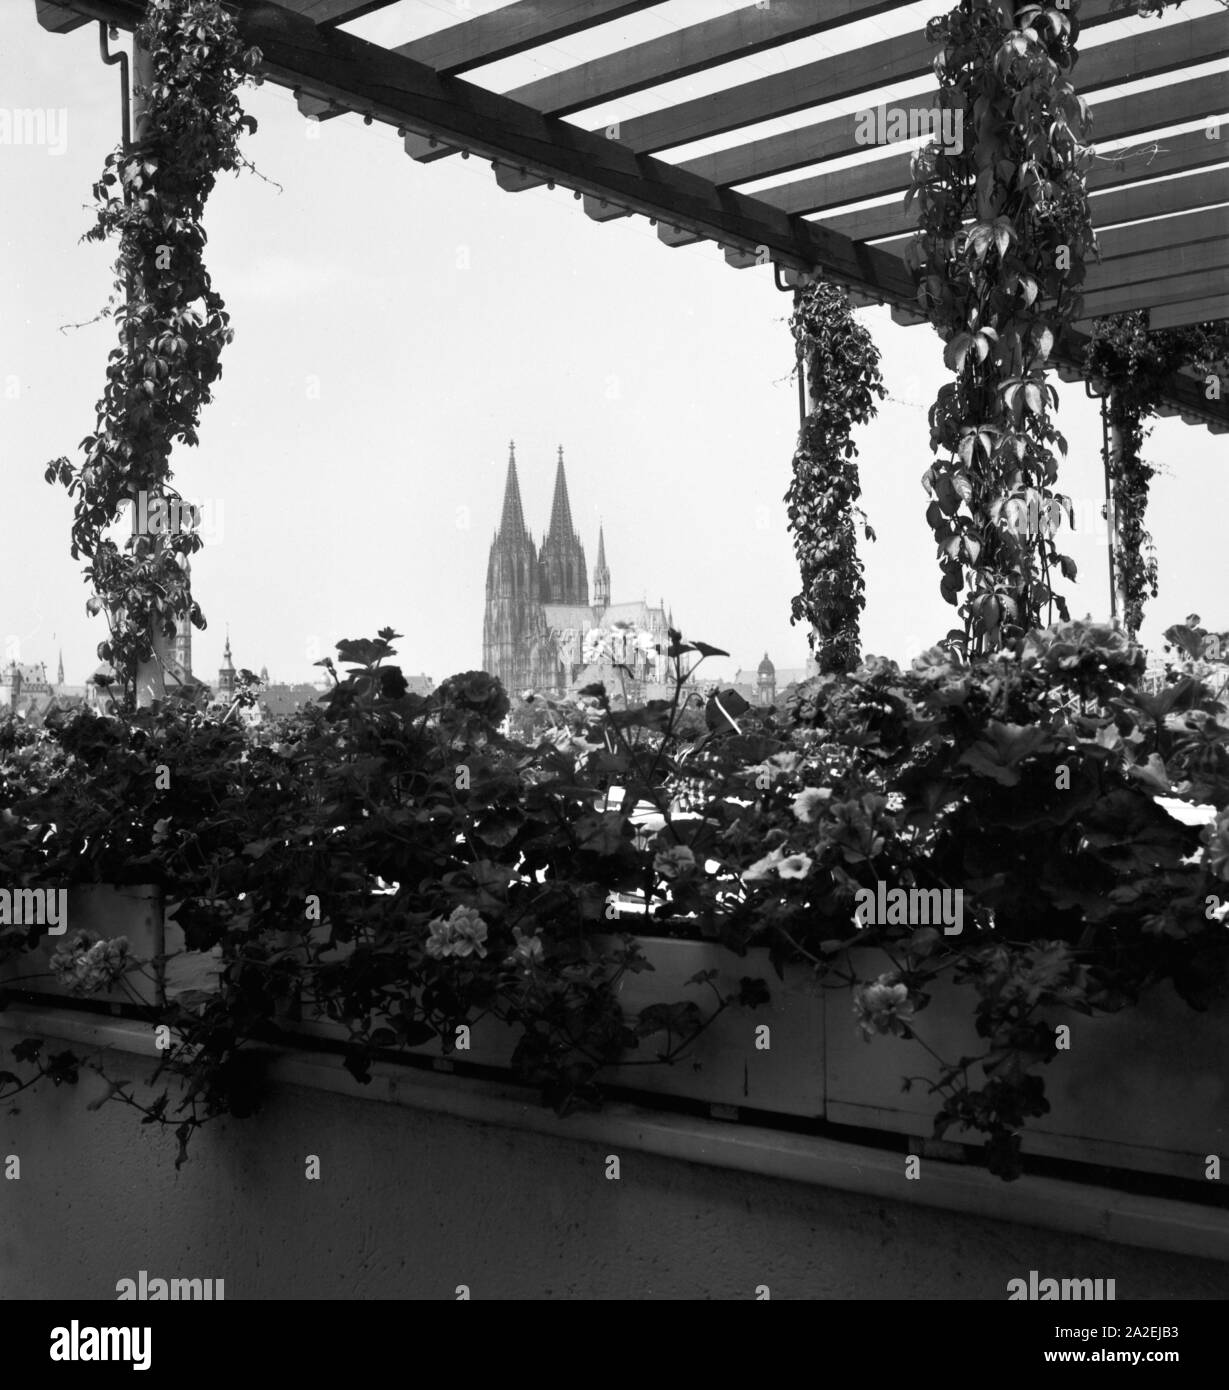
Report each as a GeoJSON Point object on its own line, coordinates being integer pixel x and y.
{"type": "Point", "coordinates": [527, 952]}
{"type": "Point", "coordinates": [462, 934]}
{"type": "Point", "coordinates": [934, 664]}
{"type": "Point", "coordinates": [568, 742]}
{"type": "Point", "coordinates": [764, 868]}
{"type": "Point", "coordinates": [475, 691]}
{"type": "Point", "coordinates": [1216, 838]}
{"type": "Point", "coordinates": [596, 645]}
{"type": "Point", "coordinates": [807, 802]}
{"type": "Point", "coordinates": [84, 966]}
{"type": "Point", "coordinates": [795, 866]}
{"type": "Point", "coordinates": [883, 1006]}
{"type": "Point", "coordinates": [675, 862]}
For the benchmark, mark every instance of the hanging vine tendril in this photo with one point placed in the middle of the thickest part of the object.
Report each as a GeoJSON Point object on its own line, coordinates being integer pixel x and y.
{"type": "Point", "coordinates": [172, 324]}
{"type": "Point", "coordinates": [842, 370]}
{"type": "Point", "coordinates": [1134, 363]}
{"type": "Point", "coordinates": [999, 292]}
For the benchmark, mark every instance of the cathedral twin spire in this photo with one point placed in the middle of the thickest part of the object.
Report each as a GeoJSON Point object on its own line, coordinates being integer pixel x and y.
{"type": "Point", "coordinates": [562, 573]}
{"type": "Point", "coordinates": [512, 523]}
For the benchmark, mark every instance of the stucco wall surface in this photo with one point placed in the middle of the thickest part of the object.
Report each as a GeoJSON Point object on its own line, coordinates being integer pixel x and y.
{"type": "Point", "coordinates": [412, 1203]}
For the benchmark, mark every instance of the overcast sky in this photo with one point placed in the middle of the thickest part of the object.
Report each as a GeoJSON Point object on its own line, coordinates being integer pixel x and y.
{"type": "Point", "coordinates": [395, 325]}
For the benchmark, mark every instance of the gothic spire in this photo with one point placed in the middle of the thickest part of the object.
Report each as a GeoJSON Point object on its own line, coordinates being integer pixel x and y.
{"type": "Point", "coordinates": [512, 523]}
{"type": "Point", "coordinates": [601, 572]}
{"type": "Point", "coordinates": [59, 680]}
{"type": "Point", "coordinates": [561, 510]}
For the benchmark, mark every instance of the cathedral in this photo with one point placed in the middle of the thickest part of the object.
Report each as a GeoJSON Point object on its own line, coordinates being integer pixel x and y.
{"type": "Point", "coordinates": [542, 632]}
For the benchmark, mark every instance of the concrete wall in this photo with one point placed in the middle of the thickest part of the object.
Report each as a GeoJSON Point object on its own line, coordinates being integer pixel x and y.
{"type": "Point", "coordinates": [412, 1203]}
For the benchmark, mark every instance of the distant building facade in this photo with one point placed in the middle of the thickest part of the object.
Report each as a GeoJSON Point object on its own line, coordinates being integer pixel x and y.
{"type": "Point", "coordinates": [540, 625]}
{"type": "Point", "coordinates": [763, 685]}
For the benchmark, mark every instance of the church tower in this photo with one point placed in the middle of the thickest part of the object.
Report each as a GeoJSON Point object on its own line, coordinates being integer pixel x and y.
{"type": "Point", "coordinates": [182, 651]}
{"type": "Point", "coordinates": [514, 639]}
{"type": "Point", "coordinates": [766, 682]}
{"type": "Point", "coordinates": [565, 576]}
{"type": "Point", "coordinates": [601, 574]}
{"type": "Point", "coordinates": [227, 675]}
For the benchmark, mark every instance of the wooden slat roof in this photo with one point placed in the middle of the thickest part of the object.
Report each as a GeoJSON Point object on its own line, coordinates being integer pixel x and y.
{"type": "Point", "coordinates": [791, 195]}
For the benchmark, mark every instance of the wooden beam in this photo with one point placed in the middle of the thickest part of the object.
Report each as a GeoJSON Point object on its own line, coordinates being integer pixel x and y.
{"type": "Point", "coordinates": [1145, 54]}
{"type": "Point", "coordinates": [835, 138]}
{"type": "Point", "coordinates": [487, 38]}
{"type": "Point", "coordinates": [827, 79]}
{"type": "Point", "coordinates": [1207, 309]}
{"type": "Point", "coordinates": [1176, 154]}
{"type": "Point", "coordinates": [512, 29]}
{"type": "Point", "coordinates": [671, 235]}
{"type": "Point", "coordinates": [57, 19]}
{"type": "Point", "coordinates": [692, 49]}
{"type": "Point", "coordinates": [1159, 264]}
{"type": "Point", "coordinates": [1162, 198]}
{"type": "Point", "coordinates": [600, 210]}
{"type": "Point", "coordinates": [61, 19]}
{"type": "Point", "coordinates": [1182, 392]}
{"type": "Point", "coordinates": [336, 11]}
{"type": "Point", "coordinates": [335, 65]}
{"type": "Point", "coordinates": [1120, 299]}
{"type": "Point", "coordinates": [1122, 118]}
{"type": "Point", "coordinates": [1186, 229]}
{"type": "Point", "coordinates": [716, 41]}
{"type": "Point", "coordinates": [514, 180]}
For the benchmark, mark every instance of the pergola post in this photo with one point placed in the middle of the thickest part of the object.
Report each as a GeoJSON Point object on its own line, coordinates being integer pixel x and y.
{"type": "Point", "coordinates": [148, 678]}
{"type": "Point", "coordinates": [1113, 458]}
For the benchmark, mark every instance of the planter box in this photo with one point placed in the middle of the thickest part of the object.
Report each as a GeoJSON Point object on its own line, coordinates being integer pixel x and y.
{"type": "Point", "coordinates": [131, 911]}
{"type": "Point", "coordinates": [1146, 1089]}
{"type": "Point", "coordinates": [724, 1066]}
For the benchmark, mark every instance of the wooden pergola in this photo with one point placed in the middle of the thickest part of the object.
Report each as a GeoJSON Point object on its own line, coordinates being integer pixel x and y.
{"type": "Point", "coordinates": [1165, 249]}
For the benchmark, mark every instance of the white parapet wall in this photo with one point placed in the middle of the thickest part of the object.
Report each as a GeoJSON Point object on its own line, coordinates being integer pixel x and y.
{"type": "Point", "coordinates": [430, 1182]}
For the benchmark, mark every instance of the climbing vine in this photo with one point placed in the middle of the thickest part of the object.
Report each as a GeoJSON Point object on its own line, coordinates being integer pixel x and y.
{"type": "Point", "coordinates": [173, 325]}
{"type": "Point", "coordinates": [1133, 364]}
{"type": "Point", "coordinates": [999, 292]}
{"type": "Point", "coordinates": [842, 369]}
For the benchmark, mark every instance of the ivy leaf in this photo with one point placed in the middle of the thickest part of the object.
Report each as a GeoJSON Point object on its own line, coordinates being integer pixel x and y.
{"type": "Point", "coordinates": [680, 1018]}
{"type": "Point", "coordinates": [982, 237]}
{"type": "Point", "coordinates": [752, 993]}
{"type": "Point", "coordinates": [603, 834]}
{"type": "Point", "coordinates": [956, 351]}
{"type": "Point", "coordinates": [945, 489]}
{"type": "Point", "coordinates": [1045, 342]}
